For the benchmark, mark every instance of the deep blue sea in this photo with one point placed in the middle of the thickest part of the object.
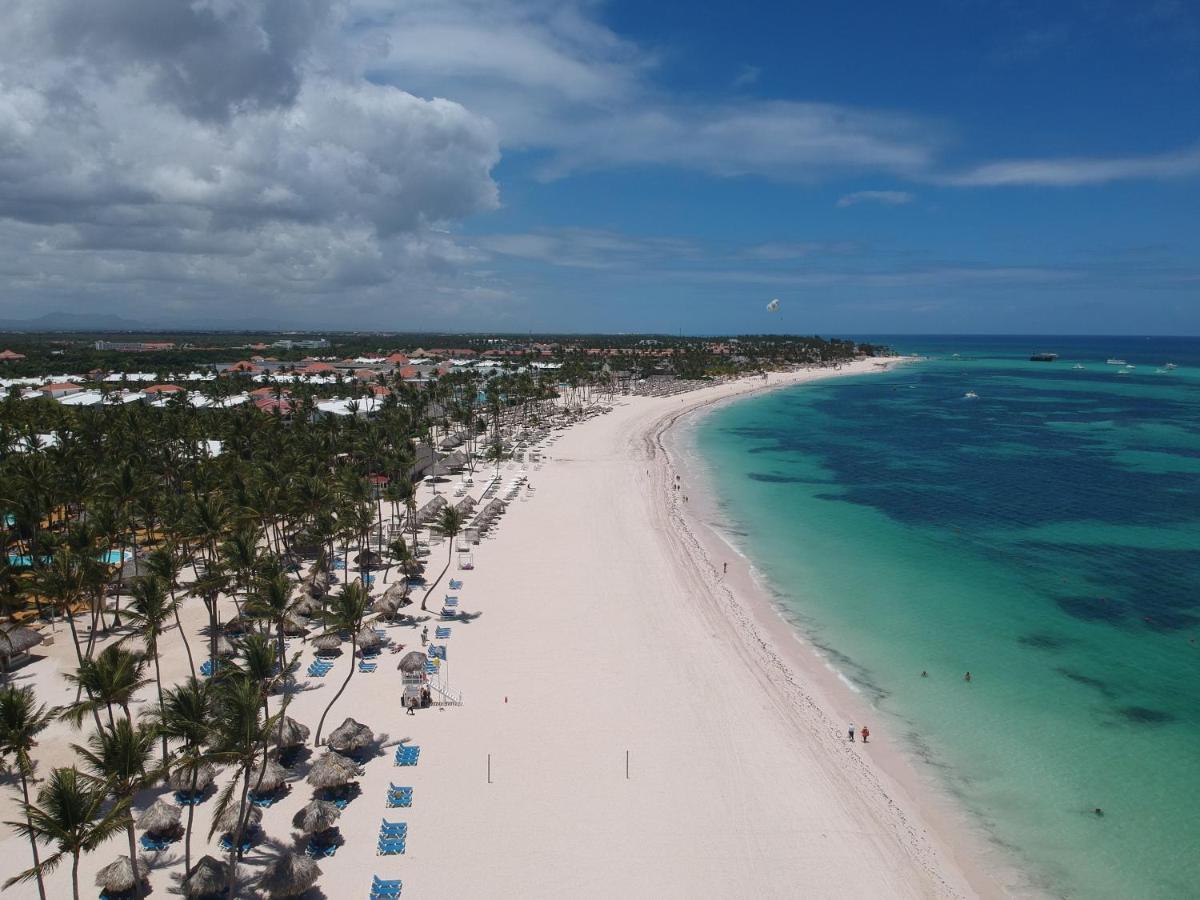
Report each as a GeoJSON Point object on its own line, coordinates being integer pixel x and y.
{"type": "Point", "coordinates": [1043, 535]}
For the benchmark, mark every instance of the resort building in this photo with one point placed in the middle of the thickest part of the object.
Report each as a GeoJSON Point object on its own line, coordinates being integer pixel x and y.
{"type": "Point", "coordinates": [60, 389]}
{"type": "Point", "coordinates": [135, 346]}
{"type": "Point", "coordinates": [11, 356]}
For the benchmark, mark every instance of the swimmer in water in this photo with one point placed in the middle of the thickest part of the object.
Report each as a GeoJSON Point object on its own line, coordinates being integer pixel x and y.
{"type": "Point", "coordinates": [924, 674]}
{"type": "Point", "coordinates": [1098, 811]}
{"type": "Point", "coordinates": [967, 677]}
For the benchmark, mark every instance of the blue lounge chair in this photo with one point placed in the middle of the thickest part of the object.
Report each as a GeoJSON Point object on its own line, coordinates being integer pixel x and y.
{"type": "Point", "coordinates": [151, 844]}
{"type": "Point", "coordinates": [386, 892]}
{"type": "Point", "coordinates": [367, 667]}
{"type": "Point", "coordinates": [263, 800]}
{"type": "Point", "coordinates": [441, 632]}
{"type": "Point", "coordinates": [455, 584]}
{"type": "Point", "coordinates": [386, 827]}
{"type": "Point", "coordinates": [184, 798]}
{"type": "Point", "coordinates": [407, 756]}
{"type": "Point", "coordinates": [317, 850]}
{"type": "Point", "coordinates": [227, 844]}
{"type": "Point", "coordinates": [390, 847]}
{"type": "Point", "coordinates": [399, 796]}
{"type": "Point", "coordinates": [450, 601]}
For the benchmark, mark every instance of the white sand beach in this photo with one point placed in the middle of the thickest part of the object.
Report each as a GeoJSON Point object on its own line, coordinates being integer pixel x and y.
{"type": "Point", "coordinates": [650, 728]}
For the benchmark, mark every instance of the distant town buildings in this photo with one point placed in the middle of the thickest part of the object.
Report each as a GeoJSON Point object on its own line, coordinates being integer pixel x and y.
{"type": "Point", "coordinates": [314, 344]}
{"type": "Point", "coordinates": [11, 356]}
{"type": "Point", "coordinates": [135, 346]}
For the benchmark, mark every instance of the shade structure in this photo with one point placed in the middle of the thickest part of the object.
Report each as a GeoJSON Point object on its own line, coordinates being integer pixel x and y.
{"type": "Point", "coordinates": [317, 815]}
{"type": "Point", "coordinates": [15, 640]}
{"type": "Point", "coordinates": [332, 770]}
{"type": "Point", "coordinates": [160, 817]}
{"type": "Point", "coordinates": [117, 877]}
{"type": "Point", "coordinates": [465, 505]}
{"type": "Point", "coordinates": [181, 777]}
{"type": "Point", "coordinates": [413, 661]}
{"type": "Point", "coordinates": [228, 820]}
{"type": "Point", "coordinates": [208, 877]}
{"type": "Point", "coordinates": [225, 647]}
{"type": "Point", "coordinates": [288, 875]}
{"type": "Point", "coordinates": [350, 736]}
{"type": "Point", "coordinates": [289, 733]}
{"type": "Point", "coordinates": [293, 626]}
{"type": "Point", "coordinates": [368, 558]}
{"type": "Point", "coordinates": [327, 642]}
{"type": "Point", "coordinates": [368, 639]}
{"type": "Point", "coordinates": [395, 592]}
{"type": "Point", "coordinates": [306, 606]}
{"type": "Point", "coordinates": [272, 777]}
{"type": "Point", "coordinates": [455, 460]}
{"type": "Point", "coordinates": [388, 606]}
{"type": "Point", "coordinates": [236, 625]}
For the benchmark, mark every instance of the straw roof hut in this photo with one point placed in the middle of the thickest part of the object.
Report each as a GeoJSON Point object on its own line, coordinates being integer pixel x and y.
{"type": "Point", "coordinates": [387, 606]}
{"type": "Point", "coordinates": [332, 770]}
{"type": "Point", "coordinates": [368, 639]}
{"type": "Point", "coordinates": [289, 875]}
{"type": "Point", "coordinates": [289, 733]}
{"type": "Point", "coordinates": [228, 820]}
{"type": "Point", "coordinates": [15, 641]}
{"type": "Point", "coordinates": [208, 877]}
{"type": "Point", "coordinates": [465, 505]}
{"type": "Point", "coordinates": [293, 626]}
{"type": "Point", "coordinates": [368, 558]}
{"type": "Point", "coordinates": [160, 817]}
{"type": "Point", "coordinates": [117, 877]}
{"type": "Point", "coordinates": [455, 460]}
{"type": "Point", "coordinates": [413, 661]}
{"type": "Point", "coordinates": [317, 815]}
{"type": "Point", "coordinates": [225, 647]}
{"type": "Point", "coordinates": [351, 736]}
{"type": "Point", "coordinates": [307, 605]}
{"type": "Point", "coordinates": [273, 777]}
{"type": "Point", "coordinates": [236, 625]}
{"type": "Point", "coordinates": [327, 643]}
{"type": "Point", "coordinates": [181, 778]}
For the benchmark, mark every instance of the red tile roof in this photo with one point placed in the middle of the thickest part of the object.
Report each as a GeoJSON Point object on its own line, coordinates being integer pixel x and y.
{"type": "Point", "coordinates": [11, 354]}
{"type": "Point", "coordinates": [162, 389]}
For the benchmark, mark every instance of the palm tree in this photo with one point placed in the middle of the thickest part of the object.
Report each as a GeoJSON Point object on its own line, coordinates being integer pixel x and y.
{"type": "Point", "coordinates": [270, 600]}
{"type": "Point", "coordinates": [449, 523]}
{"type": "Point", "coordinates": [70, 813]}
{"type": "Point", "coordinates": [345, 613]}
{"type": "Point", "coordinates": [120, 758]}
{"type": "Point", "coordinates": [186, 716]}
{"type": "Point", "coordinates": [150, 608]}
{"type": "Point", "coordinates": [21, 720]}
{"type": "Point", "coordinates": [239, 734]}
{"type": "Point", "coordinates": [114, 676]}
{"type": "Point", "coordinates": [166, 562]}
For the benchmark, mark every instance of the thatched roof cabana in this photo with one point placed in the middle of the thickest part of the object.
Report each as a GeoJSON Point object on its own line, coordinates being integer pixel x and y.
{"type": "Point", "coordinates": [228, 820]}
{"type": "Point", "coordinates": [368, 558]}
{"type": "Point", "coordinates": [332, 770]}
{"type": "Point", "coordinates": [16, 639]}
{"type": "Point", "coordinates": [181, 778]}
{"type": "Point", "coordinates": [289, 875]}
{"type": "Point", "coordinates": [294, 626]}
{"type": "Point", "coordinates": [413, 661]}
{"type": "Point", "coordinates": [465, 505]}
{"type": "Point", "coordinates": [306, 606]}
{"type": "Point", "coordinates": [431, 509]}
{"type": "Point", "coordinates": [289, 733]}
{"type": "Point", "coordinates": [326, 643]}
{"type": "Point", "coordinates": [208, 877]}
{"type": "Point", "coordinates": [273, 777]}
{"type": "Point", "coordinates": [226, 647]}
{"type": "Point", "coordinates": [160, 817]}
{"type": "Point", "coordinates": [368, 640]}
{"type": "Point", "coordinates": [351, 736]}
{"type": "Point", "coordinates": [317, 815]}
{"type": "Point", "coordinates": [118, 878]}
{"type": "Point", "coordinates": [236, 625]}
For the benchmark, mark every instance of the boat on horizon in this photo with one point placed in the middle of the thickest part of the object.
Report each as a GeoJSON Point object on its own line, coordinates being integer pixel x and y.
{"type": "Point", "coordinates": [970, 395]}
{"type": "Point", "coordinates": [1043, 357]}
{"type": "Point", "coordinates": [1116, 362]}
{"type": "Point", "coordinates": [1170, 366]}
{"type": "Point", "coordinates": [1079, 366]}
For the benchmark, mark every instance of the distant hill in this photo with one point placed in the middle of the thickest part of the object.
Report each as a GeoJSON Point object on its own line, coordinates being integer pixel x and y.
{"type": "Point", "coordinates": [62, 321]}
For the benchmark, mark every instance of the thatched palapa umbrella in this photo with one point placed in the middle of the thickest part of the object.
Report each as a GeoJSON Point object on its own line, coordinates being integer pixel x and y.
{"type": "Point", "coordinates": [327, 643]}
{"type": "Point", "coordinates": [306, 606]}
{"type": "Point", "coordinates": [290, 733]}
{"type": "Point", "coordinates": [118, 878]}
{"type": "Point", "coordinates": [273, 777]}
{"type": "Point", "coordinates": [293, 626]}
{"type": "Point", "coordinates": [15, 640]}
{"type": "Point", "coordinates": [351, 736]}
{"type": "Point", "coordinates": [225, 647]}
{"type": "Point", "coordinates": [236, 625]}
{"type": "Point", "coordinates": [228, 820]}
{"type": "Point", "coordinates": [160, 817]}
{"type": "Point", "coordinates": [332, 770]}
{"type": "Point", "coordinates": [181, 777]}
{"type": "Point", "coordinates": [413, 661]}
{"type": "Point", "coordinates": [289, 875]}
{"type": "Point", "coordinates": [368, 640]}
{"type": "Point", "coordinates": [368, 558]}
{"type": "Point", "coordinates": [208, 877]}
{"type": "Point", "coordinates": [316, 816]}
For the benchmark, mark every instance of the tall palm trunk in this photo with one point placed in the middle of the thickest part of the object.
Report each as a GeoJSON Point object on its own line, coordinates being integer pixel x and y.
{"type": "Point", "coordinates": [161, 708]}
{"type": "Point", "coordinates": [236, 853]}
{"type": "Point", "coordinates": [75, 875]}
{"type": "Point", "coordinates": [433, 587]}
{"type": "Point", "coordinates": [187, 647]}
{"type": "Point", "coordinates": [187, 834]}
{"type": "Point", "coordinates": [342, 689]}
{"type": "Point", "coordinates": [37, 863]}
{"type": "Point", "coordinates": [137, 881]}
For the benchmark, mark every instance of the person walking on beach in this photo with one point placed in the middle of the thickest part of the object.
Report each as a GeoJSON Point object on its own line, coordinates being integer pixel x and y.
{"type": "Point", "coordinates": [866, 733]}
{"type": "Point", "coordinates": [424, 635]}
{"type": "Point", "coordinates": [724, 568]}
{"type": "Point", "coordinates": [852, 732]}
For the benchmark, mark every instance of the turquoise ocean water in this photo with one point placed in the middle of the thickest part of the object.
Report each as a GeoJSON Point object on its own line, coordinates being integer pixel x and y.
{"type": "Point", "coordinates": [1044, 536]}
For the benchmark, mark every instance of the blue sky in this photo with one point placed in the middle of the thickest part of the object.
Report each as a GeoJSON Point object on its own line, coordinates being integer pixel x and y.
{"type": "Point", "coordinates": [955, 165]}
